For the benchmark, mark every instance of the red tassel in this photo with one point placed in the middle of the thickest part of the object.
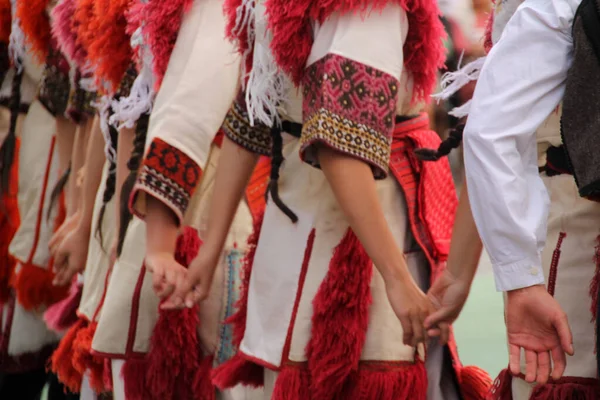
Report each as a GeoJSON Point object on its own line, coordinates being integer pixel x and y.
{"type": "Point", "coordinates": [595, 283]}
{"type": "Point", "coordinates": [238, 370]}
{"type": "Point", "coordinates": [61, 362]}
{"type": "Point", "coordinates": [84, 362]}
{"type": "Point", "coordinates": [391, 383]}
{"type": "Point", "coordinates": [34, 288]}
{"type": "Point", "coordinates": [568, 388]}
{"type": "Point", "coordinates": [62, 315]}
{"type": "Point", "coordinates": [35, 23]}
{"type": "Point", "coordinates": [203, 387]}
{"type": "Point", "coordinates": [174, 355]}
{"type": "Point", "coordinates": [502, 387]}
{"type": "Point", "coordinates": [475, 383]}
{"type": "Point", "coordinates": [134, 377]}
{"type": "Point", "coordinates": [293, 383]}
{"type": "Point", "coordinates": [340, 319]}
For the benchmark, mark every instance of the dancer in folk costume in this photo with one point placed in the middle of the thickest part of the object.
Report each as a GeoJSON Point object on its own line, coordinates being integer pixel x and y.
{"type": "Point", "coordinates": [180, 119]}
{"type": "Point", "coordinates": [534, 218]}
{"type": "Point", "coordinates": [316, 320]}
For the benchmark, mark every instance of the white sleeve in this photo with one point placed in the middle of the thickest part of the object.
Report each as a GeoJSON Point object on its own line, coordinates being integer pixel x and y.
{"type": "Point", "coordinates": [521, 83]}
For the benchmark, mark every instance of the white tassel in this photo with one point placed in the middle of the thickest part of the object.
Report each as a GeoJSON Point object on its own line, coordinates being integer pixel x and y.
{"type": "Point", "coordinates": [16, 46]}
{"type": "Point", "coordinates": [128, 110]}
{"type": "Point", "coordinates": [461, 111]}
{"type": "Point", "coordinates": [245, 17]}
{"type": "Point", "coordinates": [452, 82]}
{"type": "Point", "coordinates": [103, 107]}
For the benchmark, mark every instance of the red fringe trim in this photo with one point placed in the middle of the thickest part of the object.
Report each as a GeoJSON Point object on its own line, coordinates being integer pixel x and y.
{"type": "Point", "coordinates": [293, 383]}
{"type": "Point", "coordinates": [35, 23]}
{"type": "Point", "coordinates": [61, 362]}
{"type": "Point", "coordinates": [62, 315]}
{"type": "Point", "coordinates": [86, 363]}
{"type": "Point", "coordinates": [474, 383]}
{"type": "Point", "coordinates": [63, 28]}
{"type": "Point", "coordinates": [5, 21]}
{"type": "Point", "coordinates": [502, 387]}
{"type": "Point", "coordinates": [175, 354]}
{"type": "Point", "coordinates": [595, 283]}
{"type": "Point", "coordinates": [203, 387]}
{"type": "Point", "coordinates": [568, 388]}
{"type": "Point", "coordinates": [340, 319]}
{"type": "Point", "coordinates": [292, 41]}
{"type": "Point", "coordinates": [85, 27]}
{"type": "Point", "coordinates": [134, 377]}
{"type": "Point", "coordinates": [110, 49]}
{"type": "Point", "coordinates": [238, 370]}
{"type": "Point", "coordinates": [34, 288]}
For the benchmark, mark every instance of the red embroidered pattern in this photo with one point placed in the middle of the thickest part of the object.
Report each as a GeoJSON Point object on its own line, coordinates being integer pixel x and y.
{"type": "Point", "coordinates": [171, 174]}
{"type": "Point", "coordinates": [237, 128]}
{"type": "Point", "coordinates": [350, 107]}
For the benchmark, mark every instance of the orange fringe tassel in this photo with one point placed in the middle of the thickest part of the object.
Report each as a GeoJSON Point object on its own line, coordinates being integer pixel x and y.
{"type": "Point", "coordinates": [61, 362]}
{"type": "Point", "coordinates": [34, 288]}
{"type": "Point", "coordinates": [83, 360]}
{"type": "Point", "coordinates": [475, 383]}
{"type": "Point", "coordinates": [35, 23]}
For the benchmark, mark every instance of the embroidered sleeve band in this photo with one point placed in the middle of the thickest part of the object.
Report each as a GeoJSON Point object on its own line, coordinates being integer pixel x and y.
{"type": "Point", "coordinates": [169, 175]}
{"type": "Point", "coordinates": [237, 128]}
{"type": "Point", "coordinates": [349, 107]}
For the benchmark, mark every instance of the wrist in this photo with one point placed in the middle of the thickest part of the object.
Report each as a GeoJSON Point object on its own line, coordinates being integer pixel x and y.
{"type": "Point", "coordinates": [526, 291]}
{"type": "Point", "coordinates": [395, 271]}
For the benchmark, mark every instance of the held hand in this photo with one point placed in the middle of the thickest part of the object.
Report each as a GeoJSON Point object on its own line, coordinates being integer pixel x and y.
{"type": "Point", "coordinates": [65, 228]}
{"type": "Point", "coordinates": [167, 274]}
{"type": "Point", "coordinates": [536, 323]}
{"type": "Point", "coordinates": [411, 306]}
{"type": "Point", "coordinates": [448, 294]}
{"type": "Point", "coordinates": [196, 286]}
{"type": "Point", "coordinates": [71, 256]}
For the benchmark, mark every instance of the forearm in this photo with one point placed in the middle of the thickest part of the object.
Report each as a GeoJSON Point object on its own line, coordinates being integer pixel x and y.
{"type": "Point", "coordinates": [354, 187]}
{"type": "Point", "coordinates": [124, 149]}
{"type": "Point", "coordinates": [65, 138]}
{"type": "Point", "coordinates": [466, 246]}
{"type": "Point", "coordinates": [94, 162]}
{"type": "Point", "coordinates": [77, 162]}
{"type": "Point", "coordinates": [233, 173]}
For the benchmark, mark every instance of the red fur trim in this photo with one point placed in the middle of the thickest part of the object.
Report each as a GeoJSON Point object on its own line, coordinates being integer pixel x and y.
{"type": "Point", "coordinates": [61, 362]}
{"type": "Point", "coordinates": [568, 388]}
{"type": "Point", "coordinates": [595, 283]}
{"type": "Point", "coordinates": [405, 382]}
{"type": "Point", "coordinates": [85, 26]}
{"type": "Point", "coordinates": [35, 23]}
{"type": "Point", "coordinates": [293, 383]}
{"type": "Point", "coordinates": [474, 383]}
{"type": "Point", "coordinates": [174, 341]}
{"type": "Point", "coordinates": [34, 288]}
{"type": "Point", "coordinates": [489, 27]}
{"type": "Point", "coordinates": [502, 387]}
{"type": "Point", "coordinates": [85, 362]}
{"type": "Point", "coordinates": [63, 29]}
{"type": "Point", "coordinates": [340, 319]}
{"type": "Point", "coordinates": [203, 387]}
{"type": "Point", "coordinates": [238, 370]}
{"type": "Point", "coordinates": [134, 377]}
{"type": "Point", "coordinates": [292, 39]}
{"type": "Point", "coordinates": [110, 49]}
{"type": "Point", "coordinates": [239, 35]}
{"type": "Point", "coordinates": [162, 21]}
{"type": "Point", "coordinates": [238, 319]}
{"type": "Point", "coordinates": [5, 21]}
{"type": "Point", "coordinates": [62, 315]}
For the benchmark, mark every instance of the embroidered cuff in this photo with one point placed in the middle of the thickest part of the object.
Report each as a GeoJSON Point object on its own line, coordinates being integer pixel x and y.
{"type": "Point", "coordinates": [237, 128]}
{"type": "Point", "coordinates": [167, 174]}
{"type": "Point", "coordinates": [349, 107]}
{"type": "Point", "coordinates": [56, 83]}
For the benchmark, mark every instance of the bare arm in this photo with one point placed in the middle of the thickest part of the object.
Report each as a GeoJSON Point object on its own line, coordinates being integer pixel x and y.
{"type": "Point", "coordinates": [124, 149]}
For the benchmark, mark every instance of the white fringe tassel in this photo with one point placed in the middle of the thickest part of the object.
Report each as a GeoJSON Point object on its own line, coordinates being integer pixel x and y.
{"type": "Point", "coordinates": [16, 46]}
{"type": "Point", "coordinates": [461, 111]}
{"type": "Point", "coordinates": [128, 110]}
{"type": "Point", "coordinates": [103, 107]}
{"type": "Point", "coordinates": [452, 82]}
{"type": "Point", "coordinates": [245, 17]}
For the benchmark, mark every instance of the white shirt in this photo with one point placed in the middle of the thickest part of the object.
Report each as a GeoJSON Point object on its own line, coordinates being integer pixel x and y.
{"type": "Point", "coordinates": [521, 83]}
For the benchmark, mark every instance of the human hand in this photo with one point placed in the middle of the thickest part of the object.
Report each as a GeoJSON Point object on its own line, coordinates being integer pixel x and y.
{"type": "Point", "coordinates": [71, 256]}
{"type": "Point", "coordinates": [536, 323]}
{"type": "Point", "coordinates": [67, 226]}
{"type": "Point", "coordinates": [448, 294]}
{"type": "Point", "coordinates": [411, 306]}
{"type": "Point", "coordinates": [167, 273]}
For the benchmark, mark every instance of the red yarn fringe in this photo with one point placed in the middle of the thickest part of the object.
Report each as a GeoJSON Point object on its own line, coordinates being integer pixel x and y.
{"type": "Point", "coordinates": [85, 362]}
{"type": "Point", "coordinates": [175, 354]}
{"type": "Point", "coordinates": [293, 383]}
{"type": "Point", "coordinates": [474, 383]}
{"type": "Point", "coordinates": [110, 50]}
{"type": "Point", "coordinates": [487, 39]}
{"type": "Point", "coordinates": [340, 319]}
{"type": "Point", "coordinates": [62, 315]}
{"type": "Point", "coordinates": [292, 40]}
{"type": "Point", "coordinates": [203, 387]}
{"type": "Point", "coordinates": [34, 288]}
{"type": "Point", "coordinates": [35, 23]}
{"type": "Point", "coordinates": [134, 377]}
{"type": "Point", "coordinates": [568, 388]}
{"type": "Point", "coordinates": [61, 362]}
{"type": "Point", "coordinates": [238, 370]}
{"type": "Point", "coordinates": [85, 27]}
{"type": "Point", "coordinates": [502, 387]}
{"type": "Point", "coordinates": [5, 21]}
{"type": "Point", "coordinates": [63, 28]}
